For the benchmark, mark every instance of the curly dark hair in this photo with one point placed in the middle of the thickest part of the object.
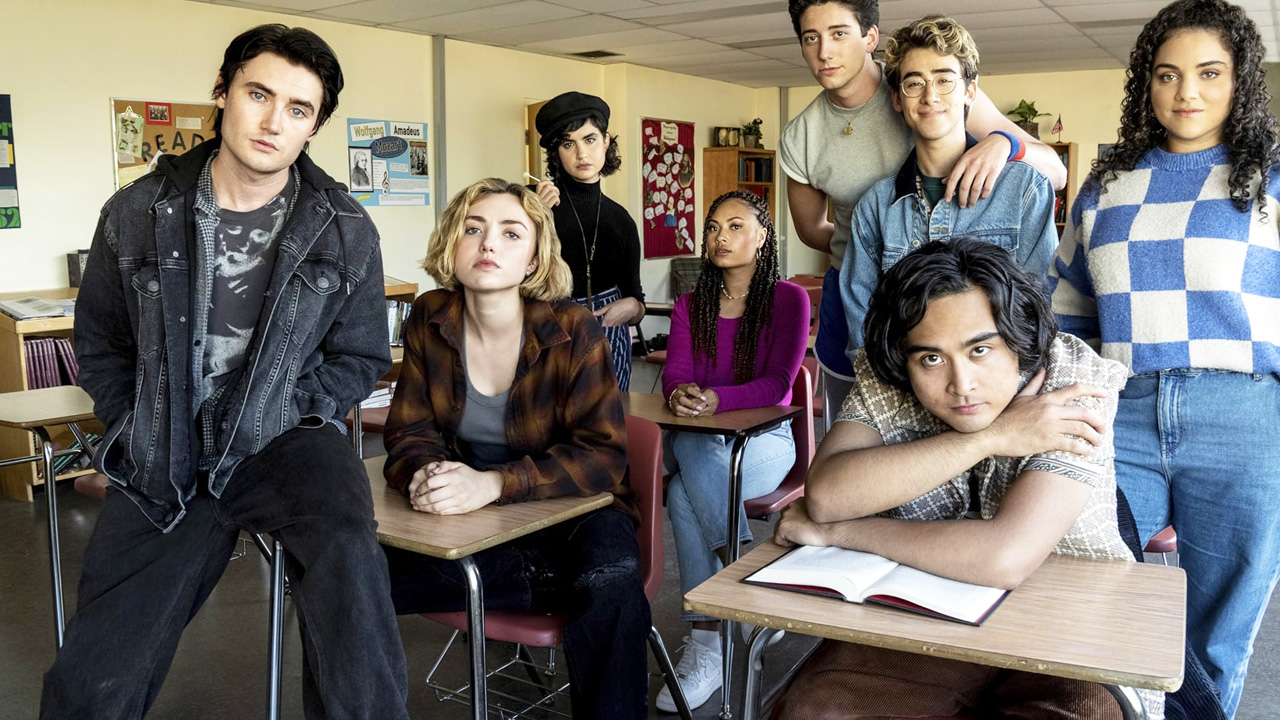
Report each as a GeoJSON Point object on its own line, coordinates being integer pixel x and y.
{"type": "Point", "coordinates": [866, 12]}
{"type": "Point", "coordinates": [940, 269]}
{"type": "Point", "coordinates": [704, 305]}
{"type": "Point", "coordinates": [1250, 128]}
{"type": "Point", "coordinates": [612, 159]}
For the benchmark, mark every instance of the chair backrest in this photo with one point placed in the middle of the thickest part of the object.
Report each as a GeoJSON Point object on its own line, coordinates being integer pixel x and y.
{"type": "Point", "coordinates": [792, 485]}
{"type": "Point", "coordinates": [802, 429]}
{"type": "Point", "coordinates": [644, 463]}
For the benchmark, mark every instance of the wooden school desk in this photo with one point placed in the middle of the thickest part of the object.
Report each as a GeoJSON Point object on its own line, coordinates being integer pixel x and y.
{"type": "Point", "coordinates": [458, 537]}
{"type": "Point", "coordinates": [1116, 623]}
{"type": "Point", "coordinates": [741, 425]}
{"type": "Point", "coordinates": [37, 411]}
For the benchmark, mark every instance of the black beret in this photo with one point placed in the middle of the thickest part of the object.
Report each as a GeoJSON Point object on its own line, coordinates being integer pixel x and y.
{"type": "Point", "coordinates": [564, 109]}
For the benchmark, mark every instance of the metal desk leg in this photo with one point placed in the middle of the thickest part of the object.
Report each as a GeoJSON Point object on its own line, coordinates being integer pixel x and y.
{"type": "Point", "coordinates": [731, 550]}
{"type": "Point", "coordinates": [357, 431]}
{"type": "Point", "coordinates": [55, 547]}
{"type": "Point", "coordinates": [1130, 704]}
{"type": "Point", "coordinates": [475, 638]}
{"type": "Point", "coordinates": [755, 669]}
{"type": "Point", "coordinates": [277, 630]}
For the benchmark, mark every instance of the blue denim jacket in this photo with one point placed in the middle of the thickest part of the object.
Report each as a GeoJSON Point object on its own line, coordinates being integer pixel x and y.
{"type": "Point", "coordinates": [320, 344]}
{"type": "Point", "coordinates": [892, 219]}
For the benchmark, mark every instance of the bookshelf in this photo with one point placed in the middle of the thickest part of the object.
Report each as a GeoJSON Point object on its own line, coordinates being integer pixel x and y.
{"type": "Point", "coordinates": [733, 168]}
{"type": "Point", "coordinates": [18, 481]}
{"type": "Point", "coordinates": [1069, 153]}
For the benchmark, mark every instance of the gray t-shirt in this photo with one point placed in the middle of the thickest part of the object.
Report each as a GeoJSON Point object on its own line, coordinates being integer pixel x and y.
{"type": "Point", "coordinates": [815, 150]}
{"type": "Point", "coordinates": [244, 255]}
{"type": "Point", "coordinates": [484, 423]}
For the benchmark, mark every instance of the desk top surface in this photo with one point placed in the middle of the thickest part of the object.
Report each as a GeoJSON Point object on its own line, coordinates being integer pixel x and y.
{"type": "Point", "coordinates": [456, 536]}
{"type": "Point", "coordinates": [653, 407]}
{"type": "Point", "coordinates": [45, 407]}
{"type": "Point", "coordinates": [658, 308]}
{"type": "Point", "coordinates": [1102, 621]}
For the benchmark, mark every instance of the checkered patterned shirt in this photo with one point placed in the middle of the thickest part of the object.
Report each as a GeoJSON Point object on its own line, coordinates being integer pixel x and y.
{"type": "Point", "coordinates": [899, 417]}
{"type": "Point", "coordinates": [1164, 271]}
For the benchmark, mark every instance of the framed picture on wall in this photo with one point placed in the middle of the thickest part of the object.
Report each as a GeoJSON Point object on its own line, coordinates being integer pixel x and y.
{"type": "Point", "coordinates": [159, 114]}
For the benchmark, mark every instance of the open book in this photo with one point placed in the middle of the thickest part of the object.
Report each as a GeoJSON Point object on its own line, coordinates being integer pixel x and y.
{"type": "Point", "coordinates": [861, 577]}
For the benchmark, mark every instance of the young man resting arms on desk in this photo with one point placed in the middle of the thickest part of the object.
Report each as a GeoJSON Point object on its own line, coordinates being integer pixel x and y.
{"type": "Point", "coordinates": [968, 404]}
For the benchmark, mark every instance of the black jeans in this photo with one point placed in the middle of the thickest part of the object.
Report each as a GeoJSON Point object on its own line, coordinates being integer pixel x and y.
{"type": "Point", "coordinates": [589, 568]}
{"type": "Point", "coordinates": [140, 587]}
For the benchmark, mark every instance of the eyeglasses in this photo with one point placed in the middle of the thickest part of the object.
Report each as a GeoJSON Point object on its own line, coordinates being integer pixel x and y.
{"type": "Point", "coordinates": [914, 87]}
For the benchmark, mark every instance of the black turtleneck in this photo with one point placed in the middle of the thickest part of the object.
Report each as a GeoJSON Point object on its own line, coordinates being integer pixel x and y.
{"type": "Point", "coordinates": [617, 257]}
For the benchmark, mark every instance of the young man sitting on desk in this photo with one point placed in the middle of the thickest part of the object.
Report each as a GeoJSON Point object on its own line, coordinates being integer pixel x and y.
{"type": "Point", "coordinates": [968, 404]}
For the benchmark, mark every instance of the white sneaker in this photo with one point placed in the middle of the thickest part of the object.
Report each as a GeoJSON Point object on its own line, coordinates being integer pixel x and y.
{"type": "Point", "coordinates": [748, 628]}
{"type": "Point", "coordinates": [699, 675]}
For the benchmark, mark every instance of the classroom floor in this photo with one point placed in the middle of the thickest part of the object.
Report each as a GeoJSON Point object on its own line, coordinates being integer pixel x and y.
{"type": "Point", "coordinates": [221, 664]}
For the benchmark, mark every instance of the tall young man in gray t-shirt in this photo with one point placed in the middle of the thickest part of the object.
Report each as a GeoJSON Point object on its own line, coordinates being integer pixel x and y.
{"type": "Point", "coordinates": [850, 136]}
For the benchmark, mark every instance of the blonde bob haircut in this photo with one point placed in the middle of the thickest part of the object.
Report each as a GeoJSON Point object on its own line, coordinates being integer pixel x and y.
{"type": "Point", "coordinates": [550, 281]}
{"type": "Point", "coordinates": [938, 33]}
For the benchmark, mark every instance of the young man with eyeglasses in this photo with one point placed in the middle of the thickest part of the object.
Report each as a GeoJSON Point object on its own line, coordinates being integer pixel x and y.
{"type": "Point", "coordinates": [850, 136]}
{"type": "Point", "coordinates": [932, 68]}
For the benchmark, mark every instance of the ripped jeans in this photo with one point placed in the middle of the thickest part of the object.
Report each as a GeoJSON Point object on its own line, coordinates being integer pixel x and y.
{"type": "Point", "coordinates": [588, 567]}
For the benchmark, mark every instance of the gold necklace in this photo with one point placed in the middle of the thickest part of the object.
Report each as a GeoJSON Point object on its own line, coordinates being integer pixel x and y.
{"type": "Point", "coordinates": [725, 292]}
{"type": "Point", "coordinates": [848, 127]}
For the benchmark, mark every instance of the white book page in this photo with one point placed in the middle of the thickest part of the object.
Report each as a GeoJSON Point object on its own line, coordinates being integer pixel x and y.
{"type": "Point", "coordinates": [847, 572]}
{"type": "Point", "coordinates": [949, 597]}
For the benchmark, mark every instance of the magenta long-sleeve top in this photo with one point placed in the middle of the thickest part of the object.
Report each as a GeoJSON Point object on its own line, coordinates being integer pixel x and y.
{"type": "Point", "coordinates": [778, 357]}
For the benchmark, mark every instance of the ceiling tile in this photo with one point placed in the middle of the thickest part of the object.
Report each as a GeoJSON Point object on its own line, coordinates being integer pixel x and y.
{"type": "Point", "coordinates": [639, 53]}
{"type": "Point", "coordinates": [604, 41]}
{"type": "Point", "coordinates": [771, 24]}
{"type": "Point", "coordinates": [394, 11]}
{"type": "Point", "coordinates": [481, 20]}
{"type": "Point", "coordinates": [604, 6]}
{"type": "Point", "coordinates": [550, 30]}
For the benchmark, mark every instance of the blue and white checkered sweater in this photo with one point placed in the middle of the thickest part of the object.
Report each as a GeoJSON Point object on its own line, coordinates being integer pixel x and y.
{"type": "Point", "coordinates": [1166, 272]}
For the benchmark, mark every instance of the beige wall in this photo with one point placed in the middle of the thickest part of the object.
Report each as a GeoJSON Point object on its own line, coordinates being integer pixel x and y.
{"type": "Point", "coordinates": [62, 73]}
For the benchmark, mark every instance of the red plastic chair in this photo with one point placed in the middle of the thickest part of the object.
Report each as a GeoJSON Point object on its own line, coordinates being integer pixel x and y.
{"type": "Point", "coordinates": [810, 363]}
{"type": "Point", "coordinates": [1163, 542]}
{"type": "Point", "coordinates": [533, 629]}
{"type": "Point", "coordinates": [792, 486]}
{"type": "Point", "coordinates": [806, 281]}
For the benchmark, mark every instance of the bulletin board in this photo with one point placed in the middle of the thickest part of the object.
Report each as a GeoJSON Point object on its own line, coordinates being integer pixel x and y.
{"type": "Point", "coordinates": [142, 130]}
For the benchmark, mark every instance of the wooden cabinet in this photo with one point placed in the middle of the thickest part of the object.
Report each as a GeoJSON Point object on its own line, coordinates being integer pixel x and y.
{"type": "Point", "coordinates": [1069, 153]}
{"type": "Point", "coordinates": [732, 168]}
{"type": "Point", "coordinates": [17, 481]}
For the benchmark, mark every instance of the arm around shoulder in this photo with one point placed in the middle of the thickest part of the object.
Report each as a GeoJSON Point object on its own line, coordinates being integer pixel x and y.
{"type": "Point", "coordinates": [984, 118]}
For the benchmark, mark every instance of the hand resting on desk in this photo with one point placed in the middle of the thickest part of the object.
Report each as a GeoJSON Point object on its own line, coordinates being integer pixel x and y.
{"type": "Point", "coordinates": [453, 488]}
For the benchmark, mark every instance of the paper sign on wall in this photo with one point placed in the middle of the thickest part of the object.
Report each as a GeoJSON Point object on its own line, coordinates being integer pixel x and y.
{"type": "Point", "coordinates": [388, 162]}
{"type": "Point", "coordinates": [9, 215]}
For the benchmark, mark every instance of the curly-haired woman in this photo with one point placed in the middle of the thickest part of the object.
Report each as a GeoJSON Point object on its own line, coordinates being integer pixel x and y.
{"type": "Point", "coordinates": [1171, 262]}
{"type": "Point", "coordinates": [597, 236]}
{"type": "Point", "coordinates": [736, 342]}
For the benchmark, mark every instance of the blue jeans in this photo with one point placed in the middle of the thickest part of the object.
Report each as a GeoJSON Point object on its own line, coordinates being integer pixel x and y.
{"type": "Point", "coordinates": [140, 587]}
{"type": "Point", "coordinates": [698, 495]}
{"type": "Point", "coordinates": [1200, 450]}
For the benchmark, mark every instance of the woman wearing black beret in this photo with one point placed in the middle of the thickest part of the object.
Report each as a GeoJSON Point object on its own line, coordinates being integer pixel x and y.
{"type": "Point", "coordinates": [598, 238]}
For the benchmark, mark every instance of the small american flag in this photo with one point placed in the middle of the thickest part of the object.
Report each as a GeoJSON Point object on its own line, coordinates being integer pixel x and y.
{"type": "Point", "coordinates": [1057, 126]}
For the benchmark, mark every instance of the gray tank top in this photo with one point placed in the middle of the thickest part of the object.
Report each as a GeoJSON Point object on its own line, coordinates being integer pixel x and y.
{"type": "Point", "coordinates": [483, 425]}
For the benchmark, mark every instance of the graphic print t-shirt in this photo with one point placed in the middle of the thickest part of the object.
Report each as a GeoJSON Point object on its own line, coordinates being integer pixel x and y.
{"type": "Point", "coordinates": [244, 256]}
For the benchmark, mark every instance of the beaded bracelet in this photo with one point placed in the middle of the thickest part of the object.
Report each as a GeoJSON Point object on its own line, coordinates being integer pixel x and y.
{"type": "Point", "coordinates": [671, 397]}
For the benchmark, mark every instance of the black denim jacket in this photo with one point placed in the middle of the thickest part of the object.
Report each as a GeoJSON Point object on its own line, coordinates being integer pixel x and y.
{"type": "Point", "coordinates": [319, 346]}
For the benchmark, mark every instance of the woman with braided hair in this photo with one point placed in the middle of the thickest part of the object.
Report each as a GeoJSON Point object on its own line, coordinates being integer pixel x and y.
{"type": "Point", "coordinates": [1171, 265]}
{"type": "Point", "coordinates": [736, 342]}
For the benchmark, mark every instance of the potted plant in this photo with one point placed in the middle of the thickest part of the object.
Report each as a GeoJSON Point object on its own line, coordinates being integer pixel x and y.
{"type": "Point", "coordinates": [751, 135]}
{"type": "Point", "coordinates": [1026, 113]}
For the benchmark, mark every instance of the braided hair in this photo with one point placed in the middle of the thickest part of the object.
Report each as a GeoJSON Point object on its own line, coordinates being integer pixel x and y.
{"type": "Point", "coordinates": [1250, 128]}
{"type": "Point", "coordinates": [704, 305]}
